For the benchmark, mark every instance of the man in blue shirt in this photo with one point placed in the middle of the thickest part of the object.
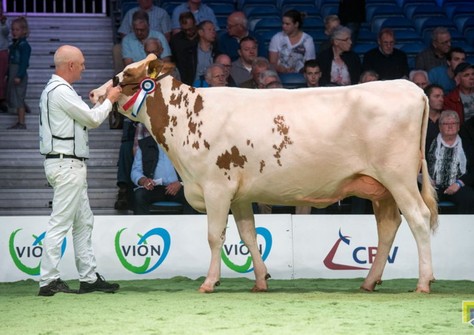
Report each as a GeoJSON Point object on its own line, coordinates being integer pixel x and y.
{"type": "Point", "coordinates": [200, 11]}
{"type": "Point", "coordinates": [444, 75]}
{"type": "Point", "coordinates": [156, 178]}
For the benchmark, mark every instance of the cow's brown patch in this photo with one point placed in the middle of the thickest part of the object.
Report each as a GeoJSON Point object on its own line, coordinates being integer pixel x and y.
{"type": "Point", "coordinates": [192, 127]}
{"type": "Point", "coordinates": [174, 121]}
{"type": "Point", "coordinates": [176, 99]}
{"type": "Point", "coordinates": [175, 84]}
{"type": "Point", "coordinates": [283, 129]}
{"type": "Point", "coordinates": [195, 145]}
{"type": "Point", "coordinates": [233, 158]}
{"type": "Point", "coordinates": [249, 143]}
{"type": "Point", "coordinates": [262, 165]}
{"type": "Point", "coordinates": [159, 121]}
{"type": "Point", "coordinates": [198, 105]}
{"type": "Point", "coordinates": [207, 145]}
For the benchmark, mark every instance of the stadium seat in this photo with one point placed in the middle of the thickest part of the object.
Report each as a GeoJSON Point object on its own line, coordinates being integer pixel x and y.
{"type": "Point", "coordinates": [166, 207]}
{"type": "Point", "coordinates": [430, 23]}
{"type": "Point", "coordinates": [313, 24]}
{"type": "Point", "coordinates": [292, 80]}
{"type": "Point", "coordinates": [406, 36]}
{"type": "Point", "coordinates": [126, 6]}
{"type": "Point", "coordinates": [329, 9]}
{"type": "Point", "coordinates": [244, 3]}
{"type": "Point", "coordinates": [405, 3]}
{"type": "Point", "coordinates": [412, 48]}
{"type": "Point", "coordinates": [377, 11]}
{"type": "Point", "coordinates": [460, 11]}
{"type": "Point", "coordinates": [362, 48]}
{"type": "Point", "coordinates": [309, 11]}
{"type": "Point", "coordinates": [266, 24]}
{"type": "Point", "coordinates": [261, 11]}
{"type": "Point", "coordinates": [417, 11]}
{"type": "Point", "coordinates": [395, 23]}
{"type": "Point", "coordinates": [366, 35]}
{"type": "Point", "coordinates": [446, 207]}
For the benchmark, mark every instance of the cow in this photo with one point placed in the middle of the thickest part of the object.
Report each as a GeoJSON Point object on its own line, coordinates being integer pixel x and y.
{"type": "Point", "coordinates": [305, 147]}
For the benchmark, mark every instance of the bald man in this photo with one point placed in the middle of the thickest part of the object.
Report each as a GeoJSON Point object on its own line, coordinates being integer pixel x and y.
{"type": "Point", "coordinates": [64, 123]}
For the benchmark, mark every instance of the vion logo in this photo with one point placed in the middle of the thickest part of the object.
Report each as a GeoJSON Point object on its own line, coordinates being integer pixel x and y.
{"type": "Point", "coordinates": [145, 254]}
{"type": "Point", "coordinates": [237, 257]}
{"type": "Point", "coordinates": [26, 255]}
{"type": "Point", "coordinates": [360, 255]}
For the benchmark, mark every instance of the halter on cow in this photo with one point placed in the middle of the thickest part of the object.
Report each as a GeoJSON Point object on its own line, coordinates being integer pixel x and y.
{"type": "Point", "coordinates": [301, 147]}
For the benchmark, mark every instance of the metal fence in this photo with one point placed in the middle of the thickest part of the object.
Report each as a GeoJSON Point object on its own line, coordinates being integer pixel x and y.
{"type": "Point", "coordinates": [56, 7]}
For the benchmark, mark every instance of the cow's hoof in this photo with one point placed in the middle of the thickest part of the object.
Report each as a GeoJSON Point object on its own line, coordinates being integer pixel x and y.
{"type": "Point", "coordinates": [208, 288]}
{"type": "Point", "coordinates": [261, 285]}
{"type": "Point", "coordinates": [420, 288]}
{"type": "Point", "coordinates": [370, 287]}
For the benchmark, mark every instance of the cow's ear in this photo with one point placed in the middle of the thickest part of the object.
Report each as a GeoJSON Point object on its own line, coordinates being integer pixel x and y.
{"type": "Point", "coordinates": [154, 68]}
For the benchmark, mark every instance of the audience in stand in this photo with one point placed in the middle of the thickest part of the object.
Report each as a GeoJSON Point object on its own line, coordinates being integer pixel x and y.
{"type": "Point", "coordinates": [242, 67]}
{"type": "Point", "coordinates": [19, 61]}
{"type": "Point", "coordinates": [259, 65]}
{"type": "Point", "coordinates": [451, 165]}
{"type": "Point", "coordinates": [435, 100]}
{"type": "Point", "coordinates": [461, 99]}
{"type": "Point", "coordinates": [331, 22]}
{"type": "Point", "coordinates": [419, 77]}
{"type": "Point", "coordinates": [444, 75]}
{"type": "Point", "coordinates": [237, 30]}
{"type": "Point", "coordinates": [312, 73]}
{"type": "Point", "coordinates": [201, 55]}
{"type": "Point", "coordinates": [132, 44]}
{"type": "Point", "coordinates": [4, 32]}
{"type": "Point", "coordinates": [155, 178]}
{"type": "Point", "coordinates": [200, 11]}
{"type": "Point", "coordinates": [290, 48]}
{"type": "Point", "coordinates": [339, 64]}
{"type": "Point", "coordinates": [158, 18]}
{"type": "Point", "coordinates": [183, 45]}
{"type": "Point", "coordinates": [435, 54]}
{"type": "Point", "coordinates": [386, 60]}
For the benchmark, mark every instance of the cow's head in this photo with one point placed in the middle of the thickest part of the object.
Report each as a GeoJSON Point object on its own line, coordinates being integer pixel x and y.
{"type": "Point", "coordinates": [138, 81]}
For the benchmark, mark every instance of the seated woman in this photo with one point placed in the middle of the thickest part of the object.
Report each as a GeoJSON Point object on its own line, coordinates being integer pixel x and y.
{"type": "Point", "coordinates": [339, 65]}
{"type": "Point", "coordinates": [451, 166]}
{"type": "Point", "coordinates": [290, 48]}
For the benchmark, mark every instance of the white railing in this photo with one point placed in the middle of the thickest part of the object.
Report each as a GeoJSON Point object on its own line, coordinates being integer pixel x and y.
{"type": "Point", "coordinates": [55, 7]}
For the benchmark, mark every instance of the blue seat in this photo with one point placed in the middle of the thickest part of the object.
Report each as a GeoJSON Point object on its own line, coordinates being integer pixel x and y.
{"type": "Point", "coordinates": [166, 207]}
{"type": "Point", "coordinates": [362, 48]}
{"type": "Point", "coordinates": [313, 24]}
{"type": "Point", "coordinates": [308, 10]}
{"type": "Point", "coordinates": [376, 11]}
{"type": "Point", "coordinates": [430, 23]}
{"type": "Point", "coordinates": [266, 23]}
{"type": "Point", "coordinates": [446, 207]}
{"type": "Point", "coordinates": [394, 23]}
{"type": "Point", "coordinates": [456, 11]}
{"type": "Point", "coordinates": [292, 80]}
{"type": "Point", "coordinates": [406, 36]}
{"type": "Point", "coordinates": [329, 9]}
{"type": "Point", "coordinates": [416, 11]}
{"type": "Point", "coordinates": [261, 11]}
{"type": "Point", "coordinates": [412, 48]}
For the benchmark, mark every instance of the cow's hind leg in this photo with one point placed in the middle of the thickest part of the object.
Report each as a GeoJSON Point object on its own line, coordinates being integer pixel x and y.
{"type": "Point", "coordinates": [217, 214]}
{"type": "Point", "coordinates": [245, 221]}
{"type": "Point", "coordinates": [388, 220]}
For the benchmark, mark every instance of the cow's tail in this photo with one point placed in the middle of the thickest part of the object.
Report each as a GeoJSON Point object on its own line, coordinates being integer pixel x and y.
{"type": "Point", "coordinates": [428, 192]}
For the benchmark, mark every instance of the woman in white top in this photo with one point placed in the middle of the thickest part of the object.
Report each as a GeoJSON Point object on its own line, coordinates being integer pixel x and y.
{"type": "Point", "coordinates": [290, 48]}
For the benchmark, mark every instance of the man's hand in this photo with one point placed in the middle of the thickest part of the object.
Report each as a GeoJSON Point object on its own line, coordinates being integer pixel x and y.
{"type": "Point", "coordinates": [113, 93]}
{"type": "Point", "coordinates": [173, 188]}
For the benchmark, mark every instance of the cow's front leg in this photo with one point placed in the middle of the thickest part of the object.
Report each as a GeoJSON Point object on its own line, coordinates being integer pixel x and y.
{"type": "Point", "coordinates": [245, 221]}
{"type": "Point", "coordinates": [216, 227]}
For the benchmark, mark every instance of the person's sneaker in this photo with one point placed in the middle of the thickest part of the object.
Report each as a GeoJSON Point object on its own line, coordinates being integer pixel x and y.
{"type": "Point", "coordinates": [54, 287]}
{"type": "Point", "coordinates": [99, 285]}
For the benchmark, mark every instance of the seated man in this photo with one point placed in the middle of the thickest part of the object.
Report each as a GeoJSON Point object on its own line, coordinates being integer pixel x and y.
{"type": "Point", "coordinates": [215, 76]}
{"type": "Point", "coordinates": [156, 178]}
{"type": "Point", "coordinates": [312, 73]}
{"type": "Point", "coordinates": [444, 75]}
{"type": "Point", "coordinates": [242, 67]}
{"type": "Point", "coordinates": [419, 77]}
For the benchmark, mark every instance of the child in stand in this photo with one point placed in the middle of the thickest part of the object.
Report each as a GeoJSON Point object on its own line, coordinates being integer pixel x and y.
{"type": "Point", "coordinates": [4, 32]}
{"type": "Point", "coordinates": [19, 58]}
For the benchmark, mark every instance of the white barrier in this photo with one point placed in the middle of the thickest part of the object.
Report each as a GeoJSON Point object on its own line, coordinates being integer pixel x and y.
{"type": "Point", "coordinates": [293, 246]}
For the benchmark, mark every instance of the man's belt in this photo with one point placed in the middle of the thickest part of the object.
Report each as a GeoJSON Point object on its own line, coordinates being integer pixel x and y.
{"type": "Point", "coordinates": [49, 156]}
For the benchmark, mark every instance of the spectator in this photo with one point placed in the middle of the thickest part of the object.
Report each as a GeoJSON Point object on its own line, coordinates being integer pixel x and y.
{"type": "Point", "coordinates": [367, 76]}
{"type": "Point", "coordinates": [237, 30]}
{"type": "Point", "coordinates": [352, 15]}
{"type": "Point", "coordinates": [19, 60]}
{"type": "Point", "coordinates": [4, 32]}
{"type": "Point", "coordinates": [201, 55]}
{"type": "Point", "coordinates": [435, 54]}
{"type": "Point", "coordinates": [444, 75]}
{"type": "Point", "coordinates": [435, 100]}
{"type": "Point", "coordinates": [331, 22]}
{"type": "Point", "coordinates": [158, 18]}
{"type": "Point", "coordinates": [467, 135]}
{"type": "Point", "coordinates": [226, 62]}
{"type": "Point", "coordinates": [200, 11]}
{"type": "Point", "coordinates": [183, 45]}
{"type": "Point", "coordinates": [132, 44]}
{"type": "Point", "coordinates": [312, 73]}
{"type": "Point", "coordinates": [64, 142]}
{"type": "Point", "coordinates": [216, 75]}
{"type": "Point", "coordinates": [461, 99]}
{"type": "Point", "coordinates": [155, 177]}
{"type": "Point", "coordinates": [242, 67]}
{"type": "Point", "coordinates": [419, 77]}
{"type": "Point", "coordinates": [269, 79]}
{"type": "Point", "coordinates": [450, 165]}
{"type": "Point", "coordinates": [259, 65]}
{"type": "Point", "coordinates": [386, 60]}
{"type": "Point", "coordinates": [290, 48]}
{"type": "Point", "coordinates": [339, 65]}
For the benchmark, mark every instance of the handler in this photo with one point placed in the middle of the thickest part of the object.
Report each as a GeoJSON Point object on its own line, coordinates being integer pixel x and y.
{"type": "Point", "coordinates": [64, 122]}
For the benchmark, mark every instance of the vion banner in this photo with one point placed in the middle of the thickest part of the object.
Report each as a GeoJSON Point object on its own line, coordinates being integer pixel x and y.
{"type": "Point", "coordinates": [292, 246]}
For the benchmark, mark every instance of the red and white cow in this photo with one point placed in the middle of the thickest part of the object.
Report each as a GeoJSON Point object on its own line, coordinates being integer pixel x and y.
{"type": "Point", "coordinates": [311, 146]}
